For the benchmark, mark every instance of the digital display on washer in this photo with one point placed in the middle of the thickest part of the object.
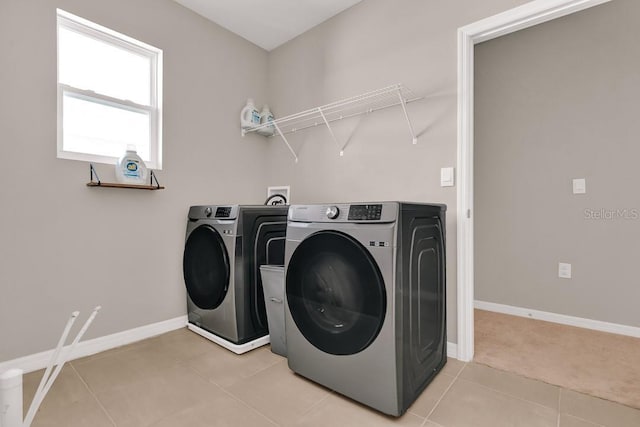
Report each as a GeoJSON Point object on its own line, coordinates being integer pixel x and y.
{"type": "Point", "coordinates": [365, 212]}
{"type": "Point", "coordinates": [223, 212]}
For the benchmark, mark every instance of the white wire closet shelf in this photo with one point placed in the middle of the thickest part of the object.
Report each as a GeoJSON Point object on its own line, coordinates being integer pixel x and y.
{"type": "Point", "coordinates": [365, 103]}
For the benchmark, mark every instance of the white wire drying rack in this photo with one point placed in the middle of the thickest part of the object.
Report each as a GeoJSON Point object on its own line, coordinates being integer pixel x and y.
{"type": "Point", "coordinates": [365, 103]}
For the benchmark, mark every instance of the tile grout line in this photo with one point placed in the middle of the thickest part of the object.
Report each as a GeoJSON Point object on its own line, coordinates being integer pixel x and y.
{"type": "Point", "coordinates": [233, 396]}
{"type": "Point", "coordinates": [183, 364]}
{"type": "Point", "coordinates": [513, 395]}
{"type": "Point", "coordinates": [246, 404]}
{"type": "Point", "coordinates": [509, 395]}
{"type": "Point", "coordinates": [318, 403]}
{"type": "Point", "coordinates": [409, 411]}
{"type": "Point", "coordinates": [591, 423]}
{"type": "Point", "coordinates": [179, 363]}
{"type": "Point", "coordinates": [266, 367]}
{"type": "Point", "coordinates": [424, 423]}
{"type": "Point", "coordinates": [455, 378]}
{"type": "Point", "coordinates": [574, 416]}
{"type": "Point", "coordinates": [560, 389]}
{"type": "Point", "coordinates": [559, 397]}
{"type": "Point", "coordinates": [93, 395]}
{"type": "Point", "coordinates": [202, 375]}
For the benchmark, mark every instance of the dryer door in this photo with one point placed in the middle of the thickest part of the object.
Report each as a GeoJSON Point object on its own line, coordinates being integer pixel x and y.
{"type": "Point", "coordinates": [335, 293]}
{"type": "Point", "coordinates": [206, 267]}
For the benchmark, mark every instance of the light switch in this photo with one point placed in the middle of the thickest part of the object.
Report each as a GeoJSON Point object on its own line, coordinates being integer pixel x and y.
{"type": "Point", "coordinates": [579, 186]}
{"type": "Point", "coordinates": [447, 177]}
{"type": "Point", "coordinates": [564, 270]}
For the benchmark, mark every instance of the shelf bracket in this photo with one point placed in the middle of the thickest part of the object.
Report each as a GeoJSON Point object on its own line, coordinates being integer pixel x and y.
{"type": "Point", "coordinates": [93, 173]}
{"type": "Point", "coordinates": [403, 103]}
{"type": "Point", "coordinates": [153, 177]}
{"type": "Point", "coordinates": [326, 122]}
{"type": "Point", "coordinates": [284, 138]}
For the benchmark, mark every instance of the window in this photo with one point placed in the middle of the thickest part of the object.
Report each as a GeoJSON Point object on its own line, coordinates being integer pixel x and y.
{"type": "Point", "coordinates": [109, 94]}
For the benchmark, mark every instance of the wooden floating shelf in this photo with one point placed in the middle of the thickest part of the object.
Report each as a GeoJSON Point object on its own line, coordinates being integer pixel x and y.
{"type": "Point", "coordinates": [117, 185]}
{"type": "Point", "coordinates": [96, 182]}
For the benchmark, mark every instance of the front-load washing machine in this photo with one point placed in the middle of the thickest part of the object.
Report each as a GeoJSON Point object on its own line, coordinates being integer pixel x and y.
{"type": "Point", "coordinates": [365, 299]}
{"type": "Point", "coordinates": [224, 248]}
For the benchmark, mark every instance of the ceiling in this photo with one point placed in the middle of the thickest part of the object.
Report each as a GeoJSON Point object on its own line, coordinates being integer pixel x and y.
{"type": "Point", "coordinates": [268, 23]}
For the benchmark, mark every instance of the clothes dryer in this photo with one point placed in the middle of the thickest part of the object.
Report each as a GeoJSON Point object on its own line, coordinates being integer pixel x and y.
{"type": "Point", "coordinates": [365, 299]}
{"type": "Point", "coordinates": [225, 246]}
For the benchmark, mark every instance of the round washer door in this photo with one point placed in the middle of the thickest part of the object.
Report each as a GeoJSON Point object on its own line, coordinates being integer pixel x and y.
{"type": "Point", "coordinates": [205, 267]}
{"type": "Point", "coordinates": [335, 293]}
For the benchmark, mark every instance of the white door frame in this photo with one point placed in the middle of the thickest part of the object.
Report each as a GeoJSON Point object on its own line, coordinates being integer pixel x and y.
{"type": "Point", "coordinates": [516, 19]}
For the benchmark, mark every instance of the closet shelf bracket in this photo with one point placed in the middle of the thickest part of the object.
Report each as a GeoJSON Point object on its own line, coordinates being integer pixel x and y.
{"type": "Point", "coordinates": [403, 103]}
{"type": "Point", "coordinates": [286, 141]}
{"type": "Point", "coordinates": [333, 135]}
{"type": "Point", "coordinates": [365, 103]}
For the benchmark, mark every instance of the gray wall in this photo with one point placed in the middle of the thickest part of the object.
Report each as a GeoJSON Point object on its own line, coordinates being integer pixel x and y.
{"type": "Point", "coordinates": [65, 246]}
{"type": "Point", "coordinates": [372, 45]}
{"type": "Point", "coordinates": [555, 102]}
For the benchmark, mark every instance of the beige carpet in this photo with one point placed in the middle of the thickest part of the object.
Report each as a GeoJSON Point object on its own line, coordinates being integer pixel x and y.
{"type": "Point", "coordinates": [596, 363]}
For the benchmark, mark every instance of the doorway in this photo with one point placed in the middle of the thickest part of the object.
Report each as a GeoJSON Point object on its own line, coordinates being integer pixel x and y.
{"type": "Point", "coordinates": [542, 113]}
{"type": "Point", "coordinates": [516, 19]}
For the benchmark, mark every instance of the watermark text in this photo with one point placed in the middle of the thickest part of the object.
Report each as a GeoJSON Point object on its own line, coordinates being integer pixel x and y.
{"type": "Point", "coordinates": [612, 214]}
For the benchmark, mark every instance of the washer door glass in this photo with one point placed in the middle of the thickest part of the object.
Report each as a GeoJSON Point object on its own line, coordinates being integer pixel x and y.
{"type": "Point", "coordinates": [335, 293]}
{"type": "Point", "coordinates": [206, 267]}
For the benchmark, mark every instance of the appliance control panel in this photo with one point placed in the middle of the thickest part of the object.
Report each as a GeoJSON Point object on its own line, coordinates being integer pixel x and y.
{"type": "Point", "coordinates": [365, 212]}
{"type": "Point", "coordinates": [223, 212]}
{"type": "Point", "coordinates": [214, 213]}
{"type": "Point", "coordinates": [362, 213]}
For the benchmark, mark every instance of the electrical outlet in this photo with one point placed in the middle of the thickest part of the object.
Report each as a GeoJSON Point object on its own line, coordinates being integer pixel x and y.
{"type": "Point", "coordinates": [564, 270]}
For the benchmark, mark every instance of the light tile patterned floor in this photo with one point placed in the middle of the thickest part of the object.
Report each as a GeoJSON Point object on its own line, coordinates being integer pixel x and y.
{"type": "Point", "coordinates": [180, 379]}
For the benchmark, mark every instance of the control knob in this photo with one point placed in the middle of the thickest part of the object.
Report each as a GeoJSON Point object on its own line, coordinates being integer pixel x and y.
{"type": "Point", "coordinates": [208, 211]}
{"type": "Point", "coordinates": [333, 212]}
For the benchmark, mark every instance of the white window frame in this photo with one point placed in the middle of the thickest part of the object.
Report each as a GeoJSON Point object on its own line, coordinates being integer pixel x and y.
{"type": "Point", "coordinates": [98, 32]}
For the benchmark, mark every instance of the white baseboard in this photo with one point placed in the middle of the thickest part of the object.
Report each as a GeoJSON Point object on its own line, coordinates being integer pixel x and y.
{"type": "Point", "coordinates": [562, 319]}
{"type": "Point", "coordinates": [452, 350]}
{"type": "Point", "coordinates": [37, 361]}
